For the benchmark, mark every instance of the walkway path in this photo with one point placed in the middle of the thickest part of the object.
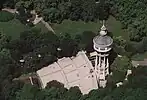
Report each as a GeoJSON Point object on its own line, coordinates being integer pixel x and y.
{"type": "Point", "coordinates": [13, 11]}
{"type": "Point", "coordinates": [137, 63]}
{"type": "Point", "coordinates": [36, 21]}
{"type": "Point", "coordinates": [47, 26]}
{"type": "Point", "coordinates": [25, 77]}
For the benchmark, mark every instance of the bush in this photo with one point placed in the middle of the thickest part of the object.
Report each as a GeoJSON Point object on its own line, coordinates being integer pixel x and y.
{"type": "Point", "coordinates": [6, 16]}
{"type": "Point", "coordinates": [54, 83]}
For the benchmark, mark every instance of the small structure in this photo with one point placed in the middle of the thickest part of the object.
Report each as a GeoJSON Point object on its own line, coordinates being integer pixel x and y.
{"type": "Point", "coordinates": [37, 19]}
{"type": "Point", "coordinates": [21, 61]}
{"type": "Point", "coordinates": [119, 84]}
{"type": "Point", "coordinates": [102, 45]}
{"type": "Point", "coordinates": [129, 72]}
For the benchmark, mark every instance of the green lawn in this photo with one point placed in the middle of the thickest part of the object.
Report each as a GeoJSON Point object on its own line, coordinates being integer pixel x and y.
{"type": "Point", "coordinates": [75, 27]}
{"type": "Point", "coordinates": [115, 27]}
{"type": "Point", "coordinates": [12, 28]}
{"type": "Point", "coordinates": [41, 27]}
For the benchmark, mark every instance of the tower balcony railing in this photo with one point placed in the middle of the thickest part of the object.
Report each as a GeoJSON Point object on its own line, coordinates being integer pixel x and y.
{"type": "Point", "coordinates": [102, 49]}
{"type": "Point", "coordinates": [102, 55]}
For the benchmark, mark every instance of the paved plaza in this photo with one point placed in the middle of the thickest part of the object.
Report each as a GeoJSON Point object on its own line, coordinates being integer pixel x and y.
{"type": "Point", "coordinates": [71, 72]}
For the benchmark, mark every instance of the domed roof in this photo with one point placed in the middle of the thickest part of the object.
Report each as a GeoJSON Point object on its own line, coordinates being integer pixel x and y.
{"type": "Point", "coordinates": [103, 33]}
{"type": "Point", "coordinates": [102, 40]}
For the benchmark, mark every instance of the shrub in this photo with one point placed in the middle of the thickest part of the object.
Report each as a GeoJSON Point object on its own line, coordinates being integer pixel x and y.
{"type": "Point", "coordinates": [6, 16]}
{"type": "Point", "coordinates": [54, 83]}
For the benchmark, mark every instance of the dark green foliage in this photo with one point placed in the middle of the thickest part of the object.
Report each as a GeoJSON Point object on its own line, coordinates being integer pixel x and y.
{"type": "Point", "coordinates": [119, 44]}
{"type": "Point", "coordinates": [28, 92]}
{"type": "Point", "coordinates": [30, 41]}
{"type": "Point", "coordinates": [54, 83]}
{"type": "Point", "coordinates": [142, 46]}
{"type": "Point", "coordinates": [135, 89]}
{"type": "Point", "coordinates": [41, 49]}
{"type": "Point", "coordinates": [118, 76]}
{"type": "Point", "coordinates": [57, 10]}
{"type": "Point", "coordinates": [52, 15]}
{"type": "Point", "coordinates": [130, 49]}
{"type": "Point", "coordinates": [32, 45]}
{"type": "Point", "coordinates": [5, 16]}
{"type": "Point", "coordinates": [76, 9]}
{"type": "Point", "coordinates": [9, 89]}
{"type": "Point", "coordinates": [119, 50]}
{"type": "Point", "coordinates": [8, 70]}
{"type": "Point", "coordinates": [88, 13]}
{"type": "Point", "coordinates": [23, 15]}
{"type": "Point", "coordinates": [132, 14]}
{"type": "Point", "coordinates": [119, 69]}
{"type": "Point", "coordinates": [68, 46]}
{"type": "Point", "coordinates": [138, 78]}
{"type": "Point", "coordinates": [64, 8]}
{"type": "Point", "coordinates": [85, 41]}
{"type": "Point", "coordinates": [102, 10]}
{"type": "Point", "coordinates": [136, 47]}
{"type": "Point", "coordinates": [74, 93]}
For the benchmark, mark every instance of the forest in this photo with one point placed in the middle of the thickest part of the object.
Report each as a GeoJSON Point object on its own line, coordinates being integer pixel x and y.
{"type": "Point", "coordinates": [31, 42]}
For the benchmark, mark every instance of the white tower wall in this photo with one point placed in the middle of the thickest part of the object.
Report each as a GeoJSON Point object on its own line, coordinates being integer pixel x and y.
{"type": "Point", "coordinates": [102, 45]}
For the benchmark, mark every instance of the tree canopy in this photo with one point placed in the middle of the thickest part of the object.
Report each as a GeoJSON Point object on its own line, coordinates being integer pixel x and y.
{"type": "Point", "coordinates": [37, 49]}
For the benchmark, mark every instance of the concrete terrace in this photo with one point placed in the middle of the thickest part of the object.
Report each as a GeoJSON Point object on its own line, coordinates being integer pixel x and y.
{"type": "Point", "coordinates": [71, 72]}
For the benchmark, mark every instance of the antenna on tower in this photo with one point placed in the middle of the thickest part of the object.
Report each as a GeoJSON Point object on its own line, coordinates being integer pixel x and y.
{"type": "Point", "coordinates": [103, 28]}
{"type": "Point", "coordinates": [103, 22]}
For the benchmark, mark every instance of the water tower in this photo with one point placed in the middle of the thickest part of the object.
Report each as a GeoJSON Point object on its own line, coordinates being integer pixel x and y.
{"type": "Point", "coordinates": [102, 45]}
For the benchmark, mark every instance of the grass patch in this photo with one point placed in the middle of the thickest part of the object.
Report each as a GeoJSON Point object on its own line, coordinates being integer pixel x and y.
{"type": "Point", "coordinates": [74, 27]}
{"type": "Point", "coordinates": [12, 28]}
{"type": "Point", "coordinates": [115, 27]}
{"type": "Point", "coordinates": [41, 27]}
{"type": "Point", "coordinates": [139, 57]}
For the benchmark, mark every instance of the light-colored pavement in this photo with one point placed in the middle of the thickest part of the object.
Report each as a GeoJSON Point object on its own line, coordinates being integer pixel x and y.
{"type": "Point", "coordinates": [10, 10]}
{"type": "Point", "coordinates": [37, 20]}
{"type": "Point", "coordinates": [139, 63]}
{"type": "Point", "coordinates": [71, 72]}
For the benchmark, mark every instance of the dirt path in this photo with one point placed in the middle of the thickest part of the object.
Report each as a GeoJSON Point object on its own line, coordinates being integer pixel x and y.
{"type": "Point", "coordinates": [13, 11]}
{"type": "Point", "coordinates": [47, 26]}
{"type": "Point", "coordinates": [25, 77]}
{"type": "Point", "coordinates": [137, 63]}
{"type": "Point", "coordinates": [37, 20]}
